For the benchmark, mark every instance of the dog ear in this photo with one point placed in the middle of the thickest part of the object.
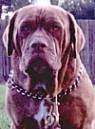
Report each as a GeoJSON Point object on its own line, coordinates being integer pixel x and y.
{"type": "Point", "coordinates": [8, 35]}
{"type": "Point", "coordinates": [77, 39]}
{"type": "Point", "coordinates": [80, 39]}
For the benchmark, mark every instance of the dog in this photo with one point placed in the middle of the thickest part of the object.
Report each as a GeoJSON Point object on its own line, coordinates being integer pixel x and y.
{"type": "Point", "coordinates": [48, 87]}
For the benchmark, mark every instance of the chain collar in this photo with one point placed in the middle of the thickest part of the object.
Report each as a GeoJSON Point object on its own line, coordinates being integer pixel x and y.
{"type": "Point", "coordinates": [71, 88]}
{"type": "Point", "coordinates": [38, 96]}
{"type": "Point", "coordinates": [20, 90]}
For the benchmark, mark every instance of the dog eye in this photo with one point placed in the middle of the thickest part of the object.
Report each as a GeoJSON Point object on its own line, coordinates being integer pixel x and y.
{"type": "Point", "coordinates": [25, 29]}
{"type": "Point", "coordinates": [54, 30]}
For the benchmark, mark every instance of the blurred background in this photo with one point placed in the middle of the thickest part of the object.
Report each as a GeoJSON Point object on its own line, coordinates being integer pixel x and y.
{"type": "Point", "coordinates": [84, 12]}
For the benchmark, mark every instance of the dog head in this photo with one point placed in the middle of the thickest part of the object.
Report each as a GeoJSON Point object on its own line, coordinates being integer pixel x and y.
{"type": "Point", "coordinates": [41, 38]}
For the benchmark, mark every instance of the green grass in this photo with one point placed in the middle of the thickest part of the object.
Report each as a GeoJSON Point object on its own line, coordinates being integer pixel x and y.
{"type": "Point", "coordinates": [4, 122]}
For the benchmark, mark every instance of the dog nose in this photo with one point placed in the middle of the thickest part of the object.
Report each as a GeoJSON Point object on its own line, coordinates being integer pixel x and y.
{"type": "Point", "coordinates": [38, 46]}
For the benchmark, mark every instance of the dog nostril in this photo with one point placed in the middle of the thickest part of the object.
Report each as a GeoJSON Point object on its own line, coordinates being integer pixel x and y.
{"type": "Point", "coordinates": [38, 46]}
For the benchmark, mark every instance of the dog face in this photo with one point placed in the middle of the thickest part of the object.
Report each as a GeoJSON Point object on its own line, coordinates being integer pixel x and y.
{"type": "Point", "coordinates": [40, 40]}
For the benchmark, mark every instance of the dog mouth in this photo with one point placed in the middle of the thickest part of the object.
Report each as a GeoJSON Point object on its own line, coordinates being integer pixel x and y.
{"type": "Point", "coordinates": [41, 72]}
{"type": "Point", "coordinates": [38, 66]}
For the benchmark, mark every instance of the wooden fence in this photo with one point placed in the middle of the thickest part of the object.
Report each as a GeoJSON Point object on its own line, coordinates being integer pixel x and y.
{"type": "Point", "coordinates": [5, 65]}
{"type": "Point", "coordinates": [87, 55]}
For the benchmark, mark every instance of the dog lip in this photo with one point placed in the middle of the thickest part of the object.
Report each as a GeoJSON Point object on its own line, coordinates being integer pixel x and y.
{"type": "Point", "coordinates": [38, 65]}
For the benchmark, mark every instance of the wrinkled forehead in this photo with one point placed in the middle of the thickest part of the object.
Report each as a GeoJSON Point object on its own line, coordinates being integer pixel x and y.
{"type": "Point", "coordinates": [39, 13]}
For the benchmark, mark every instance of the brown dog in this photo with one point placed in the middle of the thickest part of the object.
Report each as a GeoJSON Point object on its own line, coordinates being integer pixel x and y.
{"type": "Point", "coordinates": [49, 87]}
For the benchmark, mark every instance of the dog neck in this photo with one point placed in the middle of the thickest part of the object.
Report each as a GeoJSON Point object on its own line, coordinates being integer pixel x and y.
{"type": "Point", "coordinates": [14, 86]}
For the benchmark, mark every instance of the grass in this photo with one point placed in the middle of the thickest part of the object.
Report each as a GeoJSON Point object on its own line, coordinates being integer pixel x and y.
{"type": "Point", "coordinates": [4, 122]}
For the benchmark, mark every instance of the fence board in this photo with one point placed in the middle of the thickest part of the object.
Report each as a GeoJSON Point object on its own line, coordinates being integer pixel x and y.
{"type": "Point", "coordinates": [88, 53]}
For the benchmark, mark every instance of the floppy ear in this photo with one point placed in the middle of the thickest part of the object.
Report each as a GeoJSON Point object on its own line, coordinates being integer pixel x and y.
{"type": "Point", "coordinates": [77, 39]}
{"type": "Point", "coordinates": [80, 39]}
{"type": "Point", "coordinates": [8, 35]}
